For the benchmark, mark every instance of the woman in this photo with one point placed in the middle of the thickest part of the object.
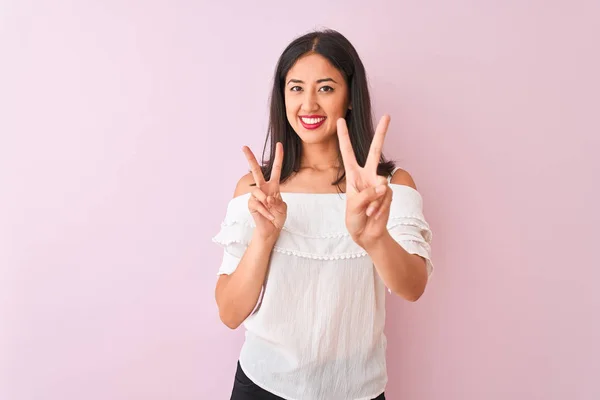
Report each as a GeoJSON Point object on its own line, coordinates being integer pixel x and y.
{"type": "Point", "coordinates": [312, 238]}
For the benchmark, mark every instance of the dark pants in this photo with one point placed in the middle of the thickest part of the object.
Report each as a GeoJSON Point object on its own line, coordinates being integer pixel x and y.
{"type": "Point", "coordinates": [245, 389]}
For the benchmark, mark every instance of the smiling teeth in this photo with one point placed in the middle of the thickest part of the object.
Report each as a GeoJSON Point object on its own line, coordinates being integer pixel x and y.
{"type": "Point", "coordinates": [312, 121]}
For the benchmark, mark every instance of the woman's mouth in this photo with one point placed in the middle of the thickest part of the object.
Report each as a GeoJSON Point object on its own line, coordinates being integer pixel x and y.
{"type": "Point", "coordinates": [312, 121]}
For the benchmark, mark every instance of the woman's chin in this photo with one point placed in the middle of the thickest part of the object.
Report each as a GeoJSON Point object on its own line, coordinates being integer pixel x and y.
{"type": "Point", "coordinates": [312, 137]}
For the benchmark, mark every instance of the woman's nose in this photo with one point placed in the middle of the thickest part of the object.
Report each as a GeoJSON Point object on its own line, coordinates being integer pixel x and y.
{"type": "Point", "coordinates": [309, 102]}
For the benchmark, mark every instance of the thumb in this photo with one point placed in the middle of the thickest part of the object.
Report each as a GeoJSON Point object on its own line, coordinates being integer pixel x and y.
{"type": "Point", "coordinates": [277, 204]}
{"type": "Point", "coordinates": [364, 198]}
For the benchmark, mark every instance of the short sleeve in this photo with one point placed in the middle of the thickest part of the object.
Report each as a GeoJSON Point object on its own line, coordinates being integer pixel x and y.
{"type": "Point", "coordinates": [229, 264]}
{"type": "Point", "coordinates": [234, 235]}
{"type": "Point", "coordinates": [407, 224]}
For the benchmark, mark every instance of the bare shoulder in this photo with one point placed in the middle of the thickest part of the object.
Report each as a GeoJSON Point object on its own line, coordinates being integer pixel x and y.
{"type": "Point", "coordinates": [402, 177]}
{"type": "Point", "coordinates": [243, 185]}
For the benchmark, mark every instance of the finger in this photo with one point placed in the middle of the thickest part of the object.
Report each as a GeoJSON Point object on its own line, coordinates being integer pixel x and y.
{"type": "Point", "coordinates": [260, 196]}
{"type": "Point", "coordinates": [346, 150]}
{"type": "Point", "coordinates": [374, 206]}
{"type": "Point", "coordinates": [367, 196]}
{"type": "Point", "coordinates": [387, 202]}
{"type": "Point", "coordinates": [377, 144]}
{"type": "Point", "coordinates": [256, 207]}
{"type": "Point", "coordinates": [277, 163]}
{"type": "Point", "coordinates": [259, 179]}
{"type": "Point", "coordinates": [277, 205]}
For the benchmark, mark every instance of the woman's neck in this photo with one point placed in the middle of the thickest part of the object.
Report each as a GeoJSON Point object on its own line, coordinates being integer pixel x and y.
{"type": "Point", "coordinates": [320, 156]}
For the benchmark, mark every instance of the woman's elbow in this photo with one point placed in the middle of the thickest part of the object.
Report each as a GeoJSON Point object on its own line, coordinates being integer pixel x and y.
{"type": "Point", "coordinates": [412, 293]}
{"type": "Point", "coordinates": [413, 297]}
{"type": "Point", "coordinates": [231, 323]}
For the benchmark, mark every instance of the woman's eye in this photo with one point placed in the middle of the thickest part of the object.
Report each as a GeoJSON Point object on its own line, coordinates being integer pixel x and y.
{"type": "Point", "coordinates": [321, 89]}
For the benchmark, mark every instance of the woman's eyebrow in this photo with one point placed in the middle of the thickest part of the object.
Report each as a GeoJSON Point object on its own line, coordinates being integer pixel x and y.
{"type": "Point", "coordinates": [318, 81]}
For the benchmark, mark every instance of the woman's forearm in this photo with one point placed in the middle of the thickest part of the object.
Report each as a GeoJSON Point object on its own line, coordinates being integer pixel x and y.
{"type": "Point", "coordinates": [238, 293]}
{"type": "Point", "coordinates": [403, 273]}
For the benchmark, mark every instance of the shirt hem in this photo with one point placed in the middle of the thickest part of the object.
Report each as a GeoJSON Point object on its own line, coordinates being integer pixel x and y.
{"type": "Point", "coordinates": [370, 397]}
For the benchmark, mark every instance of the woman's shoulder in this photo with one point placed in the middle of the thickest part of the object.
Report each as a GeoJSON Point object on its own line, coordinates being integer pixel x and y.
{"type": "Point", "coordinates": [402, 177]}
{"type": "Point", "coordinates": [244, 185]}
{"type": "Point", "coordinates": [399, 177]}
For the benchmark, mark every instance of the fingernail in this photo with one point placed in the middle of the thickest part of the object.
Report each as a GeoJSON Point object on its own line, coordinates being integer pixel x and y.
{"type": "Point", "coordinates": [271, 217]}
{"type": "Point", "coordinates": [370, 211]}
{"type": "Point", "coordinates": [380, 189]}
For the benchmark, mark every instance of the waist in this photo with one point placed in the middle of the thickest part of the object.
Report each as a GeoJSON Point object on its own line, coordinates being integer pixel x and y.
{"type": "Point", "coordinates": [346, 372]}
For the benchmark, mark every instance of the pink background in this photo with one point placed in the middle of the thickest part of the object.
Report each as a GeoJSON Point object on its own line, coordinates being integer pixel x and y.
{"type": "Point", "coordinates": [121, 125]}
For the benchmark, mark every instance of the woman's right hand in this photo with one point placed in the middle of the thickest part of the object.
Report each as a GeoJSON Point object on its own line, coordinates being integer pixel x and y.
{"type": "Point", "coordinates": [265, 203]}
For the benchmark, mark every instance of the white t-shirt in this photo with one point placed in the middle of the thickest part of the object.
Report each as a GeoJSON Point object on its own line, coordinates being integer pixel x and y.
{"type": "Point", "coordinates": [317, 330]}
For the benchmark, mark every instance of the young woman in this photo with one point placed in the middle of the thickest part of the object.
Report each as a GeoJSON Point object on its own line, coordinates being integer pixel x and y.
{"type": "Point", "coordinates": [314, 236]}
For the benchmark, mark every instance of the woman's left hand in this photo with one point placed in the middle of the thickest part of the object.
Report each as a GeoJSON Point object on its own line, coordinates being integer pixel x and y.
{"type": "Point", "coordinates": [368, 197]}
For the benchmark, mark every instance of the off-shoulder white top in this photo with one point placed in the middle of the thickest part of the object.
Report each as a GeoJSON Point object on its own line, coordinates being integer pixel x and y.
{"type": "Point", "coordinates": [317, 330]}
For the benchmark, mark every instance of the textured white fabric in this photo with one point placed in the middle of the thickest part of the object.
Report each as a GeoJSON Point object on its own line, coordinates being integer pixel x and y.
{"type": "Point", "coordinates": [317, 331]}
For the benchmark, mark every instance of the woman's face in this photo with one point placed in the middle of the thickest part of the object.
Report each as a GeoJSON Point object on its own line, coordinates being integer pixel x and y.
{"type": "Point", "coordinates": [316, 95]}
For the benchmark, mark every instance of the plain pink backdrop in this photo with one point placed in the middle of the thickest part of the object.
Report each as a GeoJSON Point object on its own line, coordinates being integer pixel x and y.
{"type": "Point", "coordinates": [121, 124]}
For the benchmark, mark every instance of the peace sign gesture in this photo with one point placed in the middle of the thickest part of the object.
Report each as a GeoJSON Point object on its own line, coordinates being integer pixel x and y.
{"type": "Point", "coordinates": [265, 204]}
{"type": "Point", "coordinates": [368, 197]}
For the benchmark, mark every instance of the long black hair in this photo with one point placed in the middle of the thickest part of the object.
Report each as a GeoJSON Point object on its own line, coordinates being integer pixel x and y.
{"type": "Point", "coordinates": [343, 56]}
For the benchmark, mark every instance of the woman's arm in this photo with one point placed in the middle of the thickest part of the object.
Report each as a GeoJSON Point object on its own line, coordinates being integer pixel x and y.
{"type": "Point", "coordinates": [368, 203]}
{"type": "Point", "coordinates": [403, 273]}
{"type": "Point", "coordinates": [238, 293]}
